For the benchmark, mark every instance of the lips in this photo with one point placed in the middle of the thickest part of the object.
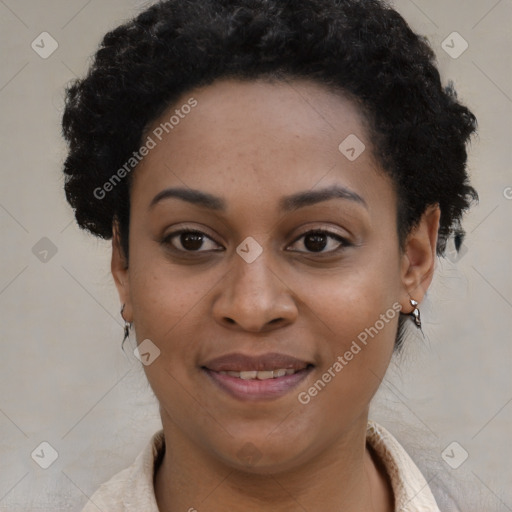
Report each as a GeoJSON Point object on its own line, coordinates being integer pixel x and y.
{"type": "Point", "coordinates": [264, 377]}
{"type": "Point", "coordinates": [261, 375]}
{"type": "Point", "coordinates": [267, 362]}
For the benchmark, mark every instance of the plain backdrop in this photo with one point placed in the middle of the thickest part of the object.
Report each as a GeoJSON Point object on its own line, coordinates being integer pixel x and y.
{"type": "Point", "coordinates": [64, 379]}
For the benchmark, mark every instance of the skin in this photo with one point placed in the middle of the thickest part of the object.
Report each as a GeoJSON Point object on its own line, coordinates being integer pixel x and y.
{"type": "Point", "coordinates": [251, 144]}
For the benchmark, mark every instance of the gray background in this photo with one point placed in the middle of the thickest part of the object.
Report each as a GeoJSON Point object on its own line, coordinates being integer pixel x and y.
{"type": "Point", "coordinates": [63, 376]}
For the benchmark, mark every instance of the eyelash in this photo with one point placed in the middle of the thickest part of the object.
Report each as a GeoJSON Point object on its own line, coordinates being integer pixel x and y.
{"type": "Point", "coordinates": [344, 243]}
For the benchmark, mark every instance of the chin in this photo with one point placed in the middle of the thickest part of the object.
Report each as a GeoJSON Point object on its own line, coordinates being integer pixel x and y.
{"type": "Point", "coordinates": [258, 455]}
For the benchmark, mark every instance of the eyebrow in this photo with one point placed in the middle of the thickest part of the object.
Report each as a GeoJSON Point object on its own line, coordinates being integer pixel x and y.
{"type": "Point", "coordinates": [310, 197]}
{"type": "Point", "coordinates": [191, 196]}
{"type": "Point", "coordinates": [286, 204]}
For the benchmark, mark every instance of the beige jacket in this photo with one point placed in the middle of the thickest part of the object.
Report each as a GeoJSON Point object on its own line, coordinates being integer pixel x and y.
{"type": "Point", "coordinates": [132, 490]}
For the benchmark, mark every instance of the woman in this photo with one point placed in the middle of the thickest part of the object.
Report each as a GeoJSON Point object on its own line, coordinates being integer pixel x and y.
{"type": "Point", "coordinates": [277, 179]}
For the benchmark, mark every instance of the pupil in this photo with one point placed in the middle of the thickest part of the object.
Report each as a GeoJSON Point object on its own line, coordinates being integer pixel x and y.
{"type": "Point", "coordinates": [316, 242]}
{"type": "Point", "coordinates": [191, 241]}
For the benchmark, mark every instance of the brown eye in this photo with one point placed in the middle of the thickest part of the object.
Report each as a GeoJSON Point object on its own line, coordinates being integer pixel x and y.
{"type": "Point", "coordinates": [190, 241]}
{"type": "Point", "coordinates": [319, 241]}
{"type": "Point", "coordinates": [315, 242]}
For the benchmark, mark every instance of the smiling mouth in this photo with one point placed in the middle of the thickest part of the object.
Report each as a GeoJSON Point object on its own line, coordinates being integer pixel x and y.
{"type": "Point", "coordinates": [264, 377]}
{"type": "Point", "coordinates": [260, 375]}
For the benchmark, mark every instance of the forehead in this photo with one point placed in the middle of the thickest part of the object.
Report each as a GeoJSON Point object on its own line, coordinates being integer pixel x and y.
{"type": "Point", "coordinates": [259, 140]}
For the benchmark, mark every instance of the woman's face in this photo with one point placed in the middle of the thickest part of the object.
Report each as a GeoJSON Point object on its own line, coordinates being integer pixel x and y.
{"type": "Point", "coordinates": [264, 265]}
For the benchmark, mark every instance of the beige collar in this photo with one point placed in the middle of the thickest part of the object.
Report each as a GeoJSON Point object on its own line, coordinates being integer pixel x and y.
{"type": "Point", "coordinates": [132, 489]}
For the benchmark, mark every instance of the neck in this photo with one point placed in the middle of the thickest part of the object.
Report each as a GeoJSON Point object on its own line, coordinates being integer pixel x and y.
{"type": "Point", "coordinates": [189, 478]}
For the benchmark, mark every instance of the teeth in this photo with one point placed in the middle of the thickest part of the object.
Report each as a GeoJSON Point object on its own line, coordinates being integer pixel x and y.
{"type": "Point", "coordinates": [263, 375]}
{"type": "Point", "coordinates": [248, 375]}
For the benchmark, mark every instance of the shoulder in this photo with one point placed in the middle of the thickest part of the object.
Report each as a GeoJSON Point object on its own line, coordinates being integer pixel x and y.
{"type": "Point", "coordinates": [132, 488]}
{"type": "Point", "coordinates": [443, 489]}
{"type": "Point", "coordinates": [411, 490]}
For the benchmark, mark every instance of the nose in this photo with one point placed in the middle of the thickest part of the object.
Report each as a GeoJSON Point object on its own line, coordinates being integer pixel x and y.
{"type": "Point", "coordinates": [253, 298]}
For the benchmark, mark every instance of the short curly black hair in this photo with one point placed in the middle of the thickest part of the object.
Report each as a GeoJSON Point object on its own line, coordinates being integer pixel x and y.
{"type": "Point", "coordinates": [363, 48]}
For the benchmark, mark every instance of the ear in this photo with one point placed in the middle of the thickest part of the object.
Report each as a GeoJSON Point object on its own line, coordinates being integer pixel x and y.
{"type": "Point", "coordinates": [120, 273]}
{"type": "Point", "coordinates": [419, 257]}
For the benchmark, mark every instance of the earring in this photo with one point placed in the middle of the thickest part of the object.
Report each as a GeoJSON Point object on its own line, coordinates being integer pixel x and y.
{"type": "Point", "coordinates": [127, 326]}
{"type": "Point", "coordinates": [415, 313]}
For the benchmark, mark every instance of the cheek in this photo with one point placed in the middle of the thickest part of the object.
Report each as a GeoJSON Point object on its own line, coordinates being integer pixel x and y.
{"type": "Point", "coordinates": [164, 312]}
{"type": "Point", "coordinates": [162, 294]}
{"type": "Point", "coordinates": [354, 314]}
{"type": "Point", "coordinates": [354, 296]}
{"type": "Point", "coordinates": [169, 305]}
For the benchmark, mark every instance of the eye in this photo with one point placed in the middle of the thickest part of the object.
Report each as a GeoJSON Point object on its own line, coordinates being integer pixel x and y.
{"type": "Point", "coordinates": [320, 241]}
{"type": "Point", "coordinates": [190, 241]}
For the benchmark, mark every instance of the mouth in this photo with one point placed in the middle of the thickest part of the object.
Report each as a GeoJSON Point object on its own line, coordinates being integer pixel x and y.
{"type": "Point", "coordinates": [266, 377]}
{"type": "Point", "coordinates": [260, 375]}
